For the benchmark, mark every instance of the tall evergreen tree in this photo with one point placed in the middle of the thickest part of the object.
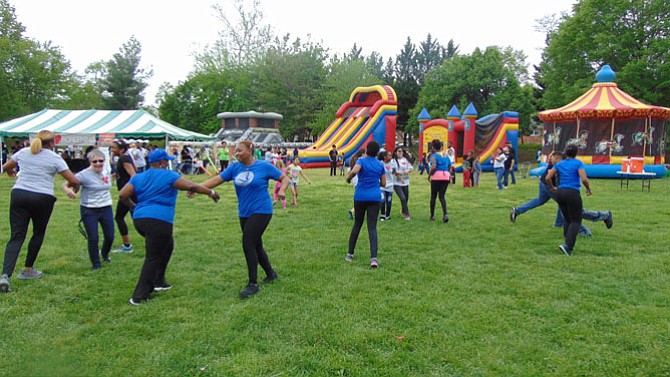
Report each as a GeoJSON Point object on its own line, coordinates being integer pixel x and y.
{"type": "Point", "coordinates": [125, 81]}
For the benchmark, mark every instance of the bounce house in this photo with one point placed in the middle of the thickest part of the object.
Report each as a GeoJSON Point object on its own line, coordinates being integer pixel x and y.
{"type": "Point", "coordinates": [610, 127]}
{"type": "Point", "coordinates": [466, 133]}
{"type": "Point", "coordinates": [370, 114]}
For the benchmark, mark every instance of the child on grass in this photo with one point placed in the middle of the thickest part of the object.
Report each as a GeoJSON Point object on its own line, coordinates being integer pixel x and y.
{"type": "Point", "coordinates": [282, 168]}
{"type": "Point", "coordinates": [294, 173]}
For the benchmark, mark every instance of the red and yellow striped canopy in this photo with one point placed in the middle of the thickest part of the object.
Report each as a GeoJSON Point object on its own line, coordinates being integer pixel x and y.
{"type": "Point", "coordinates": [604, 101]}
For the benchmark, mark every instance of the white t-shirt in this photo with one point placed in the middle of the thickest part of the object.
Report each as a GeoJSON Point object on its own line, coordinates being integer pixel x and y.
{"type": "Point", "coordinates": [138, 157]}
{"type": "Point", "coordinates": [451, 154]}
{"type": "Point", "coordinates": [294, 173]}
{"type": "Point", "coordinates": [403, 167]}
{"type": "Point", "coordinates": [501, 163]}
{"type": "Point", "coordinates": [95, 188]}
{"type": "Point", "coordinates": [388, 169]}
{"type": "Point", "coordinates": [37, 171]}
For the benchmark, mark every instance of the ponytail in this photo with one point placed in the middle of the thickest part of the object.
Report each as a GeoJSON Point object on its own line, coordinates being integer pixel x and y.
{"type": "Point", "coordinates": [42, 139]}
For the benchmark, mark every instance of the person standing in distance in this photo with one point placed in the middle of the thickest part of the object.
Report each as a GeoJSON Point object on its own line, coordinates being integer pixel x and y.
{"type": "Point", "coordinates": [224, 156]}
{"type": "Point", "coordinates": [251, 179]}
{"type": "Point", "coordinates": [332, 157]}
{"type": "Point", "coordinates": [32, 200]}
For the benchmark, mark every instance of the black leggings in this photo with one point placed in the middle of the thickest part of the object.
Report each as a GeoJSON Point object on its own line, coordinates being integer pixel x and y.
{"type": "Point", "coordinates": [121, 212]}
{"type": "Point", "coordinates": [159, 245]}
{"type": "Point", "coordinates": [26, 206]}
{"type": "Point", "coordinates": [403, 195]}
{"type": "Point", "coordinates": [438, 189]}
{"type": "Point", "coordinates": [252, 242]}
{"type": "Point", "coordinates": [570, 202]}
{"type": "Point", "coordinates": [360, 211]}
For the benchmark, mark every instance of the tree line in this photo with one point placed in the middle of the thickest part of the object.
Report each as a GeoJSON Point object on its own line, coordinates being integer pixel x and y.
{"type": "Point", "coordinates": [250, 68]}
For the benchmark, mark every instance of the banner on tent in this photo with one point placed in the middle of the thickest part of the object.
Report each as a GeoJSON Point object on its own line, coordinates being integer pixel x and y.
{"type": "Point", "coordinates": [105, 140]}
{"type": "Point", "coordinates": [71, 139]}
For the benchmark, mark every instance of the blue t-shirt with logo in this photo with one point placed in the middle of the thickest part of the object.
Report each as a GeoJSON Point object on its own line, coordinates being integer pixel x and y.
{"type": "Point", "coordinates": [251, 186]}
{"type": "Point", "coordinates": [568, 172]}
{"type": "Point", "coordinates": [367, 188]}
{"type": "Point", "coordinates": [156, 196]}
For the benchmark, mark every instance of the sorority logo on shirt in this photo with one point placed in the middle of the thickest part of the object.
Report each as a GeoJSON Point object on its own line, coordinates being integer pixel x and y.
{"type": "Point", "coordinates": [244, 178]}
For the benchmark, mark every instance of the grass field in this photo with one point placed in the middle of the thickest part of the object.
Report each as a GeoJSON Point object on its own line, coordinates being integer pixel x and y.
{"type": "Point", "coordinates": [478, 296]}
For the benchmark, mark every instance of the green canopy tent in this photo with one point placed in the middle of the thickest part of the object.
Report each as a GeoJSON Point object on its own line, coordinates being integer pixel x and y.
{"type": "Point", "coordinates": [121, 123]}
{"type": "Point", "coordinates": [83, 127]}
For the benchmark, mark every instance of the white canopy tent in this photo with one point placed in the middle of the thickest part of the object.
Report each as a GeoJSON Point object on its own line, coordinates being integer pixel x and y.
{"type": "Point", "coordinates": [121, 123]}
{"type": "Point", "coordinates": [84, 127]}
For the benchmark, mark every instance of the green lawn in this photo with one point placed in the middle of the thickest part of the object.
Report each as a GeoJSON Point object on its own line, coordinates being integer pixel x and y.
{"type": "Point", "coordinates": [478, 296]}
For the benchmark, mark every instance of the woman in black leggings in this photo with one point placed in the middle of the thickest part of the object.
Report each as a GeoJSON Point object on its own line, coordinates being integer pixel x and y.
{"type": "Point", "coordinates": [251, 178]}
{"type": "Point", "coordinates": [125, 169]}
{"type": "Point", "coordinates": [439, 177]}
{"type": "Point", "coordinates": [32, 200]}
{"type": "Point", "coordinates": [571, 176]}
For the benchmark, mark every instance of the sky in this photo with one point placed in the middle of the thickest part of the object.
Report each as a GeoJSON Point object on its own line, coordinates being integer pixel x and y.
{"type": "Point", "coordinates": [170, 31]}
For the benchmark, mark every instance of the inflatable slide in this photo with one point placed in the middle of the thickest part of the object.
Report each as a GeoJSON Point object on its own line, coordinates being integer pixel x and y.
{"type": "Point", "coordinates": [370, 114]}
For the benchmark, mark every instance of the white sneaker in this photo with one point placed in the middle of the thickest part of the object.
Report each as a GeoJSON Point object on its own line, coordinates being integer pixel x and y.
{"type": "Point", "coordinates": [374, 263]}
{"type": "Point", "coordinates": [4, 284]}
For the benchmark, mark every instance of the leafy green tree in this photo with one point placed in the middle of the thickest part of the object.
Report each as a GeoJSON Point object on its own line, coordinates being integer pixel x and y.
{"type": "Point", "coordinates": [34, 75]}
{"type": "Point", "coordinates": [194, 103]}
{"type": "Point", "coordinates": [489, 79]}
{"type": "Point", "coordinates": [125, 81]}
{"type": "Point", "coordinates": [633, 36]}
{"type": "Point", "coordinates": [288, 81]}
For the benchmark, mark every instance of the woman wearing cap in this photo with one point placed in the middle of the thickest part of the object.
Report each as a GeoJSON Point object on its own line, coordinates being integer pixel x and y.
{"type": "Point", "coordinates": [125, 170]}
{"type": "Point", "coordinates": [95, 206]}
{"type": "Point", "coordinates": [32, 199]}
{"type": "Point", "coordinates": [153, 217]}
{"type": "Point", "coordinates": [251, 178]}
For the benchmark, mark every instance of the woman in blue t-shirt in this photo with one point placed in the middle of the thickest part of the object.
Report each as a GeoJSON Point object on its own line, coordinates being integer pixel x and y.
{"type": "Point", "coordinates": [153, 217]}
{"type": "Point", "coordinates": [439, 177]}
{"type": "Point", "coordinates": [571, 175]}
{"type": "Point", "coordinates": [367, 196]}
{"type": "Point", "coordinates": [251, 179]}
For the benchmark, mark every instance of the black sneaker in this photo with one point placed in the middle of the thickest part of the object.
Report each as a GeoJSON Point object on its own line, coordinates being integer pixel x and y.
{"type": "Point", "coordinates": [608, 221]}
{"type": "Point", "coordinates": [162, 288]}
{"type": "Point", "coordinates": [564, 248]}
{"type": "Point", "coordinates": [134, 302]}
{"type": "Point", "coordinates": [270, 278]}
{"type": "Point", "coordinates": [512, 214]}
{"type": "Point", "coordinates": [445, 219]}
{"type": "Point", "coordinates": [249, 290]}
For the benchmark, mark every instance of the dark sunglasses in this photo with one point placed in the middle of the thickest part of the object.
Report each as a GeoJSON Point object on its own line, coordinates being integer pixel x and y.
{"type": "Point", "coordinates": [97, 161]}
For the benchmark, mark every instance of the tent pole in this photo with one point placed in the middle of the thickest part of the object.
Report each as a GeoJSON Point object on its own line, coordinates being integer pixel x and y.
{"type": "Point", "coordinates": [166, 149]}
{"type": "Point", "coordinates": [644, 140]}
{"type": "Point", "coordinates": [611, 137]}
